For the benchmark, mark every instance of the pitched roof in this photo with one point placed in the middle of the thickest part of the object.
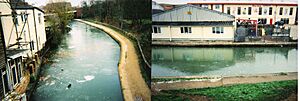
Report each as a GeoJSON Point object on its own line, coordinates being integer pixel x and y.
{"type": "Point", "coordinates": [20, 7]}
{"type": "Point", "coordinates": [191, 13]}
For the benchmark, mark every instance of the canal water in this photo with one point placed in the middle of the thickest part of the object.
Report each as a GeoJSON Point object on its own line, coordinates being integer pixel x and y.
{"type": "Point", "coordinates": [88, 60]}
{"type": "Point", "coordinates": [233, 61]}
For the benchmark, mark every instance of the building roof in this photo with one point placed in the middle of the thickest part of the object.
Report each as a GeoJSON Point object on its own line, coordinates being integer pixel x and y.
{"type": "Point", "coordinates": [14, 53]}
{"type": "Point", "coordinates": [156, 6]}
{"type": "Point", "coordinates": [19, 7]}
{"type": "Point", "coordinates": [247, 1]}
{"type": "Point", "coordinates": [191, 13]}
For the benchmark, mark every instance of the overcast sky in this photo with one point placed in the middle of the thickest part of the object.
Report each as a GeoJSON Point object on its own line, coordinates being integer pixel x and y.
{"type": "Point", "coordinates": [44, 2]}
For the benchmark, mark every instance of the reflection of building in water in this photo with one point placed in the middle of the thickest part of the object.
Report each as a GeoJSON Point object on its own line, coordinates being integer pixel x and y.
{"type": "Point", "coordinates": [193, 60]}
{"type": "Point", "coordinates": [196, 60]}
{"type": "Point", "coordinates": [244, 54]}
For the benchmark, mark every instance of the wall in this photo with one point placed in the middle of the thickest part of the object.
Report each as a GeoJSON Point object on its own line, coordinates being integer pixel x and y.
{"type": "Point", "coordinates": [255, 9]}
{"type": "Point", "coordinates": [198, 33]}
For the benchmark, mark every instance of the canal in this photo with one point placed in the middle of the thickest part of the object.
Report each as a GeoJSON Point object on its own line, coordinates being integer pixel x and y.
{"type": "Point", "coordinates": [233, 61]}
{"type": "Point", "coordinates": [88, 60]}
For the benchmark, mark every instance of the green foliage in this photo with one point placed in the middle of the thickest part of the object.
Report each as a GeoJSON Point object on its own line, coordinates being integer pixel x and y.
{"type": "Point", "coordinates": [271, 91]}
{"type": "Point", "coordinates": [58, 20]}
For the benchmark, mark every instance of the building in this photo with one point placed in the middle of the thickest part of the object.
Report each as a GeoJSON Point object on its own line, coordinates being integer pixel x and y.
{"type": "Point", "coordinates": [23, 37]}
{"type": "Point", "coordinates": [189, 22]}
{"type": "Point", "coordinates": [264, 11]}
{"type": "Point", "coordinates": [34, 21]}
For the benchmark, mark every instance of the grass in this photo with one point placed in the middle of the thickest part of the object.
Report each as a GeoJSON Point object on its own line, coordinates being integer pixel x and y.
{"type": "Point", "coordinates": [268, 91]}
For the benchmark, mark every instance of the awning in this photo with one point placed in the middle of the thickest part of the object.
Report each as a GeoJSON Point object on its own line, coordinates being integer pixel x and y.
{"type": "Point", "coordinates": [14, 53]}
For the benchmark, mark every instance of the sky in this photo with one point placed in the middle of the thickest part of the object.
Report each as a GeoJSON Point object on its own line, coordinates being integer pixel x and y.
{"type": "Point", "coordinates": [44, 2]}
{"type": "Point", "coordinates": [78, 2]}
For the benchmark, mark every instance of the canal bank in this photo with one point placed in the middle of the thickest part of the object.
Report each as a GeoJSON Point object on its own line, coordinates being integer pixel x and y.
{"type": "Point", "coordinates": [132, 82]}
{"type": "Point", "coordinates": [223, 43]}
{"type": "Point", "coordinates": [190, 82]}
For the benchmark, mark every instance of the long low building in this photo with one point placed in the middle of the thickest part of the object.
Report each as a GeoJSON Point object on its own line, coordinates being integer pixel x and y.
{"type": "Point", "coordinates": [264, 11]}
{"type": "Point", "coordinates": [189, 22]}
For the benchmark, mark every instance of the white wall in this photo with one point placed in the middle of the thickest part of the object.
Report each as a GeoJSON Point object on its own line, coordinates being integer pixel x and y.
{"type": "Point", "coordinates": [41, 33]}
{"type": "Point", "coordinates": [33, 30]}
{"type": "Point", "coordinates": [29, 32]}
{"type": "Point", "coordinates": [198, 33]}
{"type": "Point", "coordinates": [255, 9]}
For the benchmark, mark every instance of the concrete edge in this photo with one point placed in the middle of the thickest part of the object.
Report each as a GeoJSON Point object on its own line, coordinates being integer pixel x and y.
{"type": "Point", "coordinates": [195, 81]}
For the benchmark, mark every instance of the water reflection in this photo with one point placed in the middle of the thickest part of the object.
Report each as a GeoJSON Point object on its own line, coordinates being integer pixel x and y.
{"type": "Point", "coordinates": [176, 61]}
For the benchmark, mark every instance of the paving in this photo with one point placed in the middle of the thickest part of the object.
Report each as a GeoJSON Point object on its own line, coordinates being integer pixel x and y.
{"type": "Point", "coordinates": [200, 82]}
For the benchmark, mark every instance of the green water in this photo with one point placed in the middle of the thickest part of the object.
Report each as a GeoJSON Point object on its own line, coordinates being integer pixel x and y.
{"type": "Point", "coordinates": [233, 61]}
{"type": "Point", "coordinates": [89, 59]}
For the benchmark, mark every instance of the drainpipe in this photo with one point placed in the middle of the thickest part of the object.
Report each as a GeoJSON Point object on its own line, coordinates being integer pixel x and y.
{"type": "Point", "coordinates": [37, 44]}
{"type": "Point", "coordinates": [170, 33]}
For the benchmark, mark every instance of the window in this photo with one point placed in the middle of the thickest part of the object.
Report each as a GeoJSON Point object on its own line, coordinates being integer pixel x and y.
{"type": "Point", "coordinates": [205, 6]}
{"type": "Point", "coordinates": [280, 11]}
{"type": "Point", "coordinates": [265, 11]}
{"type": "Point", "coordinates": [186, 29]}
{"type": "Point", "coordinates": [22, 17]}
{"type": "Point", "coordinates": [259, 11]}
{"type": "Point", "coordinates": [270, 11]}
{"type": "Point", "coordinates": [16, 20]}
{"type": "Point", "coordinates": [249, 10]}
{"type": "Point", "coordinates": [156, 30]}
{"type": "Point", "coordinates": [228, 10]}
{"type": "Point", "coordinates": [19, 68]}
{"type": "Point", "coordinates": [291, 11]}
{"type": "Point", "coordinates": [262, 21]}
{"type": "Point", "coordinates": [14, 72]}
{"type": "Point", "coordinates": [285, 11]}
{"type": "Point", "coordinates": [285, 20]}
{"type": "Point", "coordinates": [31, 45]}
{"type": "Point", "coordinates": [5, 81]}
{"type": "Point", "coordinates": [239, 11]}
{"type": "Point", "coordinates": [217, 6]}
{"type": "Point", "coordinates": [217, 30]}
{"type": "Point", "coordinates": [39, 17]}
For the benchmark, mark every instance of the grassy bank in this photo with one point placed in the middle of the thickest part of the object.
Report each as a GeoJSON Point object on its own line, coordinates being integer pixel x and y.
{"type": "Point", "coordinates": [271, 91]}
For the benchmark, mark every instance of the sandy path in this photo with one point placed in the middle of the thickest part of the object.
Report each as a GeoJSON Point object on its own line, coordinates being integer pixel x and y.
{"type": "Point", "coordinates": [133, 85]}
{"type": "Point", "coordinates": [222, 81]}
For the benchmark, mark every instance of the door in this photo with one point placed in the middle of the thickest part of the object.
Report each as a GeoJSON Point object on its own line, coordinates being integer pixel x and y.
{"type": "Point", "coordinates": [271, 21]}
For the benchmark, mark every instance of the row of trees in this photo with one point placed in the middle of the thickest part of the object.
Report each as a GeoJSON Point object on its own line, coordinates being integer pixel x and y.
{"type": "Point", "coordinates": [58, 19]}
{"type": "Point", "coordinates": [130, 15]}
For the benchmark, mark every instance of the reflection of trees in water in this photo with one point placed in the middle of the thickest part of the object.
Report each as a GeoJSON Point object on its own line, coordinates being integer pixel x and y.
{"type": "Point", "coordinates": [248, 54]}
{"type": "Point", "coordinates": [189, 61]}
{"type": "Point", "coordinates": [195, 66]}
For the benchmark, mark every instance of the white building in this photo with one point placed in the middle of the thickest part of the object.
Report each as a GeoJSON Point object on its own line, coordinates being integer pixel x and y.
{"type": "Point", "coordinates": [35, 31]}
{"type": "Point", "coordinates": [190, 22]}
{"type": "Point", "coordinates": [24, 37]}
{"type": "Point", "coordinates": [264, 11]}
